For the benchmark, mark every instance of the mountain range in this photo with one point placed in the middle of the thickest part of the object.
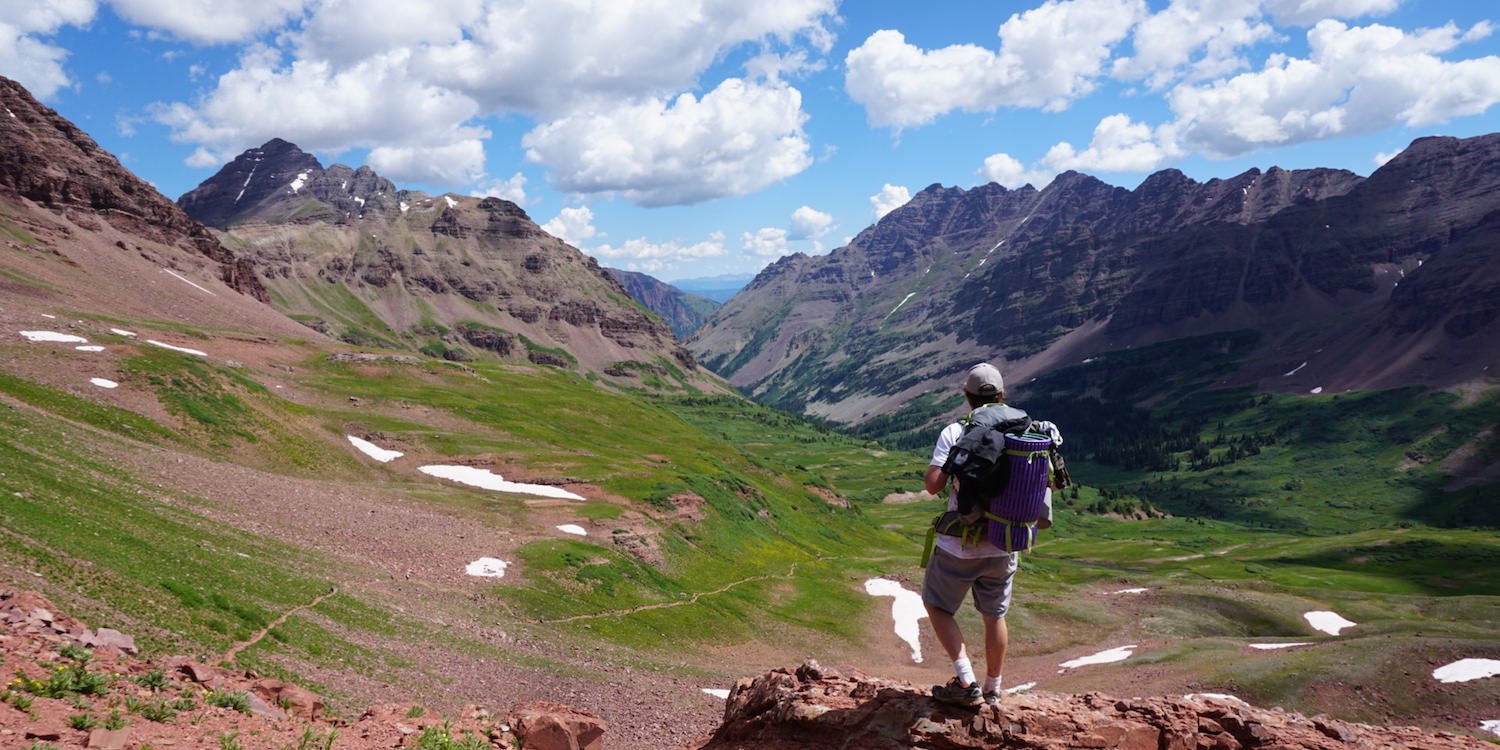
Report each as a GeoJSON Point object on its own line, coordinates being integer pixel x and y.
{"type": "Point", "coordinates": [344, 251]}
{"type": "Point", "coordinates": [1348, 282]}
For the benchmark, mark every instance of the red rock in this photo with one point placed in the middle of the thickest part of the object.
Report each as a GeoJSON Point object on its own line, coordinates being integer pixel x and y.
{"type": "Point", "coordinates": [109, 739]}
{"type": "Point", "coordinates": [112, 637]}
{"type": "Point", "coordinates": [552, 726]}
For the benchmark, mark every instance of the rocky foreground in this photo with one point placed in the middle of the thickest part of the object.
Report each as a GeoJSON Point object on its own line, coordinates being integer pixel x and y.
{"type": "Point", "coordinates": [76, 687]}
{"type": "Point", "coordinates": [813, 708]}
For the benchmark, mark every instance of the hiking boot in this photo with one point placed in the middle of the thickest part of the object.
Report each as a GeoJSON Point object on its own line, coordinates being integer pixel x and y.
{"type": "Point", "coordinates": [955, 694]}
{"type": "Point", "coordinates": [992, 698]}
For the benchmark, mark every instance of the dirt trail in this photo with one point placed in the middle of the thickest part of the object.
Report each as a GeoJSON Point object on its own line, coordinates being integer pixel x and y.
{"type": "Point", "coordinates": [679, 603]}
{"type": "Point", "coordinates": [238, 647]}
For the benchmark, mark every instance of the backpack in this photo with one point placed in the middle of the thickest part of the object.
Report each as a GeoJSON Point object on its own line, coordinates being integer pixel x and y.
{"type": "Point", "coordinates": [1003, 472]}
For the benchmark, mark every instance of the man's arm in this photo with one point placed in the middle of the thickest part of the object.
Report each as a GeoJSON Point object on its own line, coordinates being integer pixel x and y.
{"type": "Point", "coordinates": [935, 480]}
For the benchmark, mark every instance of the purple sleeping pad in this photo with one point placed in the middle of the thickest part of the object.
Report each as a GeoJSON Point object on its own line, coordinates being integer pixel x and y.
{"type": "Point", "coordinates": [1024, 500]}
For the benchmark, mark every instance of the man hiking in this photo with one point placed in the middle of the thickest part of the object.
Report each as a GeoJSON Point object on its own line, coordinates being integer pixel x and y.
{"type": "Point", "coordinates": [964, 559]}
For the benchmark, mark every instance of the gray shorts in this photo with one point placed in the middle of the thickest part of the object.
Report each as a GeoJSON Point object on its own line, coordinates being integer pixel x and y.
{"type": "Point", "coordinates": [949, 579]}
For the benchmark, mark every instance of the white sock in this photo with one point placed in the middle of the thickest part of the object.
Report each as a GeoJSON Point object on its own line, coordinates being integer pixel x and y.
{"type": "Point", "coordinates": [964, 670]}
{"type": "Point", "coordinates": [992, 684]}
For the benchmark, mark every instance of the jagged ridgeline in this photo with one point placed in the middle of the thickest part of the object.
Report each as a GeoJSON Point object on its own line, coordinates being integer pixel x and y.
{"type": "Point", "coordinates": [460, 278]}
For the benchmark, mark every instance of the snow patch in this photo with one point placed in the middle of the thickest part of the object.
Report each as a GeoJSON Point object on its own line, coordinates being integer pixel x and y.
{"type": "Point", "coordinates": [120, 332]}
{"type": "Point", "coordinates": [1492, 726]}
{"type": "Point", "coordinates": [573, 528]}
{"type": "Point", "coordinates": [1021, 688]}
{"type": "Point", "coordinates": [719, 693]}
{"type": "Point", "coordinates": [189, 282]}
{"type": "Point", "coordinates": [360, 201]}
{"type": "Point", "coordinates": [1464, 670]}
{"type": "Point", "coordinates": [1316, 391]}
{"type": "Point", "coordinates": [1274, 646]}
{"type": "Point", "coordinates": [1103, 657]}
{"type": "Point", "coordinates": [383, 455]}
{"type": "Point", "coordinates": [12, 114]}
{"type": "Point", "coordinates": [451, 203]}
{"type": "Point", "coordinates": [247, 184]}
{"type": "Point", "coordinates": [487, 567]}
{"type": "Point", "coordinates": [184, 350]}
{"type": "Point", "coordinates": [49, 316]}
{"type": "Point", "coordinates": [1227, 698]}
{"type": "Point", "coordinates": [485, 479]}
{"type": "Point", "coordinates": [404, 206]}
{"type": "Point", "coordinates": [299, 182]}
{"type": "Point", "coordinates": [1130, 591]}
{"type": "Point", "coordinates": [102, 383]}
{"type": "Point", "coordinates": [54, 336]}
{"type": "Point", "coordinates": [906, 610]}
{"type": "Point", "coordinates": [1293, 371]}
{"type": "Point", "coordinates": [1327, 622]}
{"type": "Point", "coordinates": [898, 306]}
{"type": "Point", "coordinates": [89, 348]}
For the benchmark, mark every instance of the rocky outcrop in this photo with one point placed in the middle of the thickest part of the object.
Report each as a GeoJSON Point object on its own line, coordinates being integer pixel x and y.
{"type": "Point", "coordinates": [44, 158]}
{"type": "Point", "coordinates": [812, 708]}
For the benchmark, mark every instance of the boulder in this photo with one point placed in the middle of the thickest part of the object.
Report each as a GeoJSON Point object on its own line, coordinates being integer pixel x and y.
{"type": "Point", "coordinates": [541, 725]}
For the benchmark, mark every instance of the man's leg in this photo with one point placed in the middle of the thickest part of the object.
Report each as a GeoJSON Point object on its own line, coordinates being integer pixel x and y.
{"type": "Point", "coordinates": [996, 637]}
{"type": "Point", "coordinates": [945, 625]}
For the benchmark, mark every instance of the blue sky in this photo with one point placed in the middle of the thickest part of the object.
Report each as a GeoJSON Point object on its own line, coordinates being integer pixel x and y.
{"type": "Point", "coordinates": [690, 137]}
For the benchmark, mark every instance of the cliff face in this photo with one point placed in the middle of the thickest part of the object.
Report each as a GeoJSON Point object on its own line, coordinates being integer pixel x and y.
{"type": "Point", "coordinates": [682, 311]}
{"type": "Point", "coordinates": [1316, 260]}
{"type": "Point", "coordinates": [346, 252]}
{"type": "Point", "coordinates": [45, 159]}
{"type": "Point", "coordinates": [813, 708]}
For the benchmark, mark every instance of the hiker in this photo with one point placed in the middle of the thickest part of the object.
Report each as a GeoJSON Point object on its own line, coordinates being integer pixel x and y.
{"type": "Point", "coordinates": [966, 557]}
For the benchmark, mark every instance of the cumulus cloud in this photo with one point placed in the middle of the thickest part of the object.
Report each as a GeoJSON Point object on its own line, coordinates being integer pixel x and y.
{"type": "Point", "coordinates": [513, 189]}
{"type": "Point", "coordinates": [24, 55]}
{"type": "Point", "coordinates": [347, 31]}
{"type": "Point", "coordinates": [210, 21]}
{"type": "Point", "coordinates": [1308, 12]}
{"type": "Point", "coordinates": [1119, 145]}
{"type": "Point", "coordinates": [1384, 156]}
{"type": "Point", "coordinates": [1354, 80]}
{"type": "Point", "coordinates": [809, 223]}
{"type": "Point", "coordinates": [740, 137]}
{"type": "Point", "coordinates": [1047, 57]}
{"type": "Point", "coordinates": [766, 242]}
{"type": "Point", "coordinates": [572, 225]}
{"type": "Point", "coordinates": [1196, 39]}
{"type": "Point", "coordinates": [547, 57]}
{"type": "Point", "coordinates": [1006, 170]}
{"type": "Point", "coordinates": [890, 198]}
{"type": "Point", "coordinates": [642, 249]}
{"type": "Point", "coordinates": [413, 128]}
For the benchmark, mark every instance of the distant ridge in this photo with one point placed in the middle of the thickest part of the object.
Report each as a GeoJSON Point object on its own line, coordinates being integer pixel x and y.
{"type": "Point", "coordinates": [1375, 282]}
{"type": "Point", "coordinates": [683, 311]}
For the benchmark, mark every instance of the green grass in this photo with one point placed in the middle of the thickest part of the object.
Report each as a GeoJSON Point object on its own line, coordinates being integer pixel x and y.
{"type": "Point", "coordinates": [67, 406]}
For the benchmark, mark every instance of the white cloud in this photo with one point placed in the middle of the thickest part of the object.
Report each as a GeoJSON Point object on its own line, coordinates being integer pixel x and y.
{"type": "Point", "coordinates": [414, 129]}
{"type": "Point", "coordinates": [1008, 171]}
{"type": "Point", "coordinates": [1384, 156]}
{"type": "Point", "coordinates": [809, 223]}
{"type": "Point", "coordinates": [347, 31]}
{"type": "Point", "coordinates": [739, 138]}
{"type": "Point", "coordinates": [28, 59]}
{"type": "Point", "coordinates": [642, 249]}
{"type": "Point", "coordinates": [1309, 12]}
{"type": "Point", "coordinates": [1196, 39]}
{"type": "Point", "coordinates": [1355, 80]}
{"type": "Point", "coordinates": [1047, 57]}
{"type": "Point", "coordinates": [766, 242]}
{"type": "Point", "coordinates": [513, 189]}
{"type": "Point", "coordinates": [572, 225]}
{"type": "Point", "coordinates": [890, 198]}
{"type": "Point", "coordinates": [548, 57]}
{"type": "Point", "coordinates": [1119, 145]}
{"type": "Point", "coordinates": [459, 161]}
{"type": "Point", "coordinates": [210, 21]}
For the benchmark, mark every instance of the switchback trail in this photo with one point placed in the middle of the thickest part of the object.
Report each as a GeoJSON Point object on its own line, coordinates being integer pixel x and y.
{"type": "Point", "coordinates": [238, 647]}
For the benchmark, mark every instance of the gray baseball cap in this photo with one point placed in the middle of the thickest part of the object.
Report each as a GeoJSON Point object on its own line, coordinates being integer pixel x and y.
{"type": "Point", "coordinates": [984, 380]}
